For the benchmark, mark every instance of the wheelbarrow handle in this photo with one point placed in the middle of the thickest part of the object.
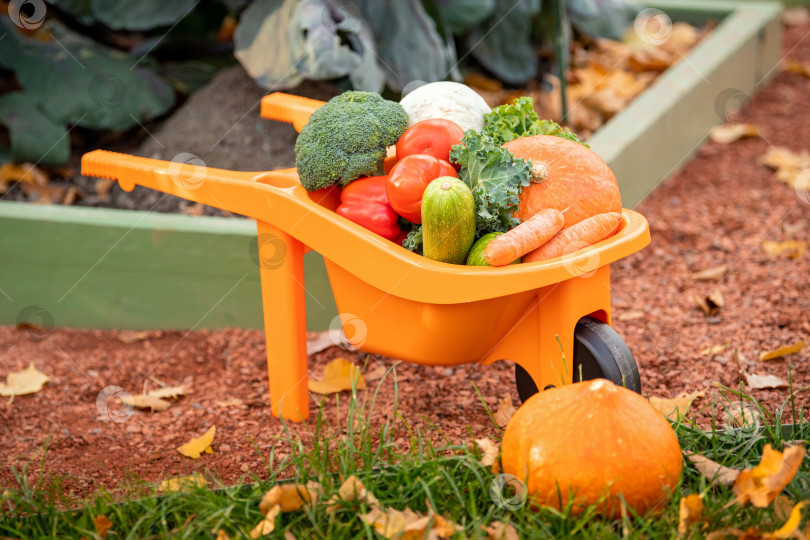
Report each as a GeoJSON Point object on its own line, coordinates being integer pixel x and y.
{"type": "Point", "coordinates": [294, 110]}
{"type": "Point", "coordinates": [228, 190]}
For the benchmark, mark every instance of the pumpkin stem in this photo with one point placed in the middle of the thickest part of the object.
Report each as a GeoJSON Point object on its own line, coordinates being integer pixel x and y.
{"type": "Point", "coordinates": [539, 173]}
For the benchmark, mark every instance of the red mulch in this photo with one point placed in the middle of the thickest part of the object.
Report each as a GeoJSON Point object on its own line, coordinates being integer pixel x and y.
{"type": "Point", "coordinates": [717, 210]}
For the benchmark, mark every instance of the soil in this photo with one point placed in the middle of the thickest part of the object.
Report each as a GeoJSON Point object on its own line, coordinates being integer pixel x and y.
{"type": "Point", "coordinates": [717, 210]}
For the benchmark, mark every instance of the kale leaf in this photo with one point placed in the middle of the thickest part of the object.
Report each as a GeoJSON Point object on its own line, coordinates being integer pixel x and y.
{"type": "Point", "coordinates": [519, 119]}
{"type": "Point", "coordinates": [495, 177]}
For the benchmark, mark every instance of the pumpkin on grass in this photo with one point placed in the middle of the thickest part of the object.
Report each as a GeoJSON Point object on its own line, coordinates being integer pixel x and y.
{"type": "Point", "coordinates": [592, 442]}
{"type": "Point", "coordinates": [565, 174]}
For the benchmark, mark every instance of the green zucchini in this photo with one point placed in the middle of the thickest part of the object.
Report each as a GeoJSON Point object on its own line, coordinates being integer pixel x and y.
{"type": "Point", "coordinates": [448, 220]}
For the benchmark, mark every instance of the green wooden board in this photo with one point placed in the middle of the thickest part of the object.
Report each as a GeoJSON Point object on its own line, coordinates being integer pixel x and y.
{"type": "Point", "coordinates": [98, 268]}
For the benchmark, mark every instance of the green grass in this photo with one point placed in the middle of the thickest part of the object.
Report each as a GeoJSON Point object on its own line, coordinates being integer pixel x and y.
{"type": "Point", "coordinates": [449, 478]}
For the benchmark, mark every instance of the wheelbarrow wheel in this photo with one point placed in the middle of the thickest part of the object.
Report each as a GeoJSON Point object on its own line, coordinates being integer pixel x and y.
{"type": "Point", "coordinates": [599, 353]}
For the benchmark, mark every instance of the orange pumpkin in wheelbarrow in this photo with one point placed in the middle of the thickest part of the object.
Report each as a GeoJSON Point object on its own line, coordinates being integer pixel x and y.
{"type": "Point", "coordinates": [551, 318]}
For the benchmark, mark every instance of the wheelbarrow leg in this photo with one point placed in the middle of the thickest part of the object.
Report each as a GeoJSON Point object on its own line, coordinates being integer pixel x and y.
{"type": "Point", "coordinates": [281, 264]}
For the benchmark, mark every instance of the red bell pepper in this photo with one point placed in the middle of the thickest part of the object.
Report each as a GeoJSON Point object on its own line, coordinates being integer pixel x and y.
{"type": "Point", "coordinates": [364, 201]}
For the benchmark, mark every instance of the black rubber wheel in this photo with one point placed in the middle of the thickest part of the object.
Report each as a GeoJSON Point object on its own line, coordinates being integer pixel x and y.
{"type": "Point", "coordinates": [599, 353]}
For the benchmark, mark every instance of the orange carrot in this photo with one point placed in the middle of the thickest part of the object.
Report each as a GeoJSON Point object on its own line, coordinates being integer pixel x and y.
{"type": "Point", "coordinates": [528, 236]}
{"type": "Point", "coordinates": [586, 232]}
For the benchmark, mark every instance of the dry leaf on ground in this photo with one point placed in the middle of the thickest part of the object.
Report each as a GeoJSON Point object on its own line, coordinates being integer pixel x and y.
{"type": "Point", "coordinates": [352, 489]}
{"type": "Point", "coordinates": [28, 381]}
{"type": "Point", "coordinates": [710, 304]}
{"type": "Point", "coordinates": [290, 497]}
{"type": "Point", "coordinates": [167, 392]}
{"type": "Point", "coordinates": [145, 401]}
{"type": "Point", "coordinates": [795, 16]}
{"type": "Point", "coordinates": [714, 349]}
{"type": "Point", "coordinates": [489, 450]}
{"type": "Point", "coordinates": [690, 513]}
{"type": "Point", "coordinates": [632, 316]}
{"type": "Point", "coordinates": [760, 485]}
{"type": "Point", "coordinates": [129, 336]}
{"type": "Point", "coordinates": [267, 524]}
{"type": "Point", "coordinates": [504, 412]}
{"type": "Point", "coordinates": [338, 375]}
{"type": "Point", "coordinates": [782, 507]}
{"type": "Point", "coordinates": [676, 407]}
{"type": "Point", "coordinates": [407, 524]}
{"type": "Point", "coordinates": [498, 530]}
{"type": "Point", "coordinates": [715, 273]}
{"type": "Point", "coordinates": [760, 382]}
{"type": "Point", "coordinates": [182, 483]}
{"type": "Point", "coordinates": [729, 133]}
{"type": "Point", "coordinates": [792, 249]}
{"type": "Point", "coordinates": [320, 341]}
{"type": "Point", "coordinates": [784, 350]}
{"type": "Point", "coordinates": [787, 164]}
{"type": "Point", "coordinates": [718, 474]}
{"type": "Point", "coordinates": [103, 525]}
{"type": "Point", "coordinates": [24, 172]}
{"type": "Point", "coordinates": [796, 66]}
{"type": "Point", "coordinates": [741, 415]}
{"type": "Point", "coordinates": [195, 447]}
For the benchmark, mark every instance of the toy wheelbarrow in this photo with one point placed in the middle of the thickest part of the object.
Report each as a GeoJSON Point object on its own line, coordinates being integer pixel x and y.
{"type": "Point", "coordinates": [551, 318]}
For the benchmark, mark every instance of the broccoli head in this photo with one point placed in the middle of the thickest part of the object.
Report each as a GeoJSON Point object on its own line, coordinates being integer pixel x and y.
{"type": "Point", "coordinates": [346, 138]}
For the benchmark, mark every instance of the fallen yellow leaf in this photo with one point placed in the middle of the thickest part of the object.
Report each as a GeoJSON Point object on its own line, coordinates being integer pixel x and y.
{"type": "Point", "coordinates": [266, 525]}
{"type": "Point", "coordinates": [498, 530]}
{"type": "Point", "coordinates": [760, 382]}
{"type": "Point", "coordinates": [289, 497]}
{"type": "Point", "coordinates": [782, 507]}
{"type": "Point", "coordinates": [145, 401]}
{"type": "Point", "coordinates": [352, 489]}
{"type": "Point", "coordinates": [715, 349]}
{"type": "Point", "coordinates": [130, 336]}
{"type": "Point", "coordinates": [690, 513]}
{"type": "Point", "coordinates": [504, 412]}
{"type": "Point", "coordinates": [761, 484]}
{"type": "Point", "coordinates": [792, 249]}
{"type": "Point", "coordinates": [784, 350]}
{"type": "Point", "coordinates": [678, 406]}
{"type": "Point", "coordinates": [787, 164]}
{"type": "Point", "coordinates": [792, 523]}
{"type": "Point", "coordinates": [102, 524]}
{"type": "Point", "coordinates": [24, 172]}
{"type": "Point", "coordinates": [407, 524]}
{"type": "Point", "coordinates": [632, 316]}
{"type": "Point", "coordinates": [710, 274]}
{"type": "Point", "coordinates": [182, 483]}
{"type": "Point", "coordinates": [729, 133]}
{"type": "Point", "coordinates": [711, 303]}
{"type": "Point", "coordinates": [796, 66]}
{"type": "Point", "coordinates": [167, 392]}
{"type": "Point", "coordinates": [222, 535]}
{"type": "Point", "coordinates": [27, 381]}
{"type": "Point", "coordinates": [195, 447]}
{"type": "Point", "coordinates": [716, 473]}
{"type": "Point", "coordinates": [338, 375]}
{"type": "Point", "coordinates": [489, 450]}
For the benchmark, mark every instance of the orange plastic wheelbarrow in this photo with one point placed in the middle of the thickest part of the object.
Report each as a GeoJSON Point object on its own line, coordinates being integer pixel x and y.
{"type": "Point", "coordinates": [551, 318]}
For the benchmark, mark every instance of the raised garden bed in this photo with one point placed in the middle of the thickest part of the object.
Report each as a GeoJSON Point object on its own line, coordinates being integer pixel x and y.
{"type": "Point", "coordinates": [83, 267]}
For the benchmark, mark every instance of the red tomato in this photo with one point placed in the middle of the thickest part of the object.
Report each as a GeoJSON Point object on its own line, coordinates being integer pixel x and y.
{"type": "Point", "coordinates": [433, 137]}
{"type": "Point", "coordinates": [408, 180]}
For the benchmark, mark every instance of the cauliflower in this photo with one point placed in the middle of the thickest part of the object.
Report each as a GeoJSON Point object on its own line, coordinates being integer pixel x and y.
{"type": "Point", "coordinates": [448, 100]}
